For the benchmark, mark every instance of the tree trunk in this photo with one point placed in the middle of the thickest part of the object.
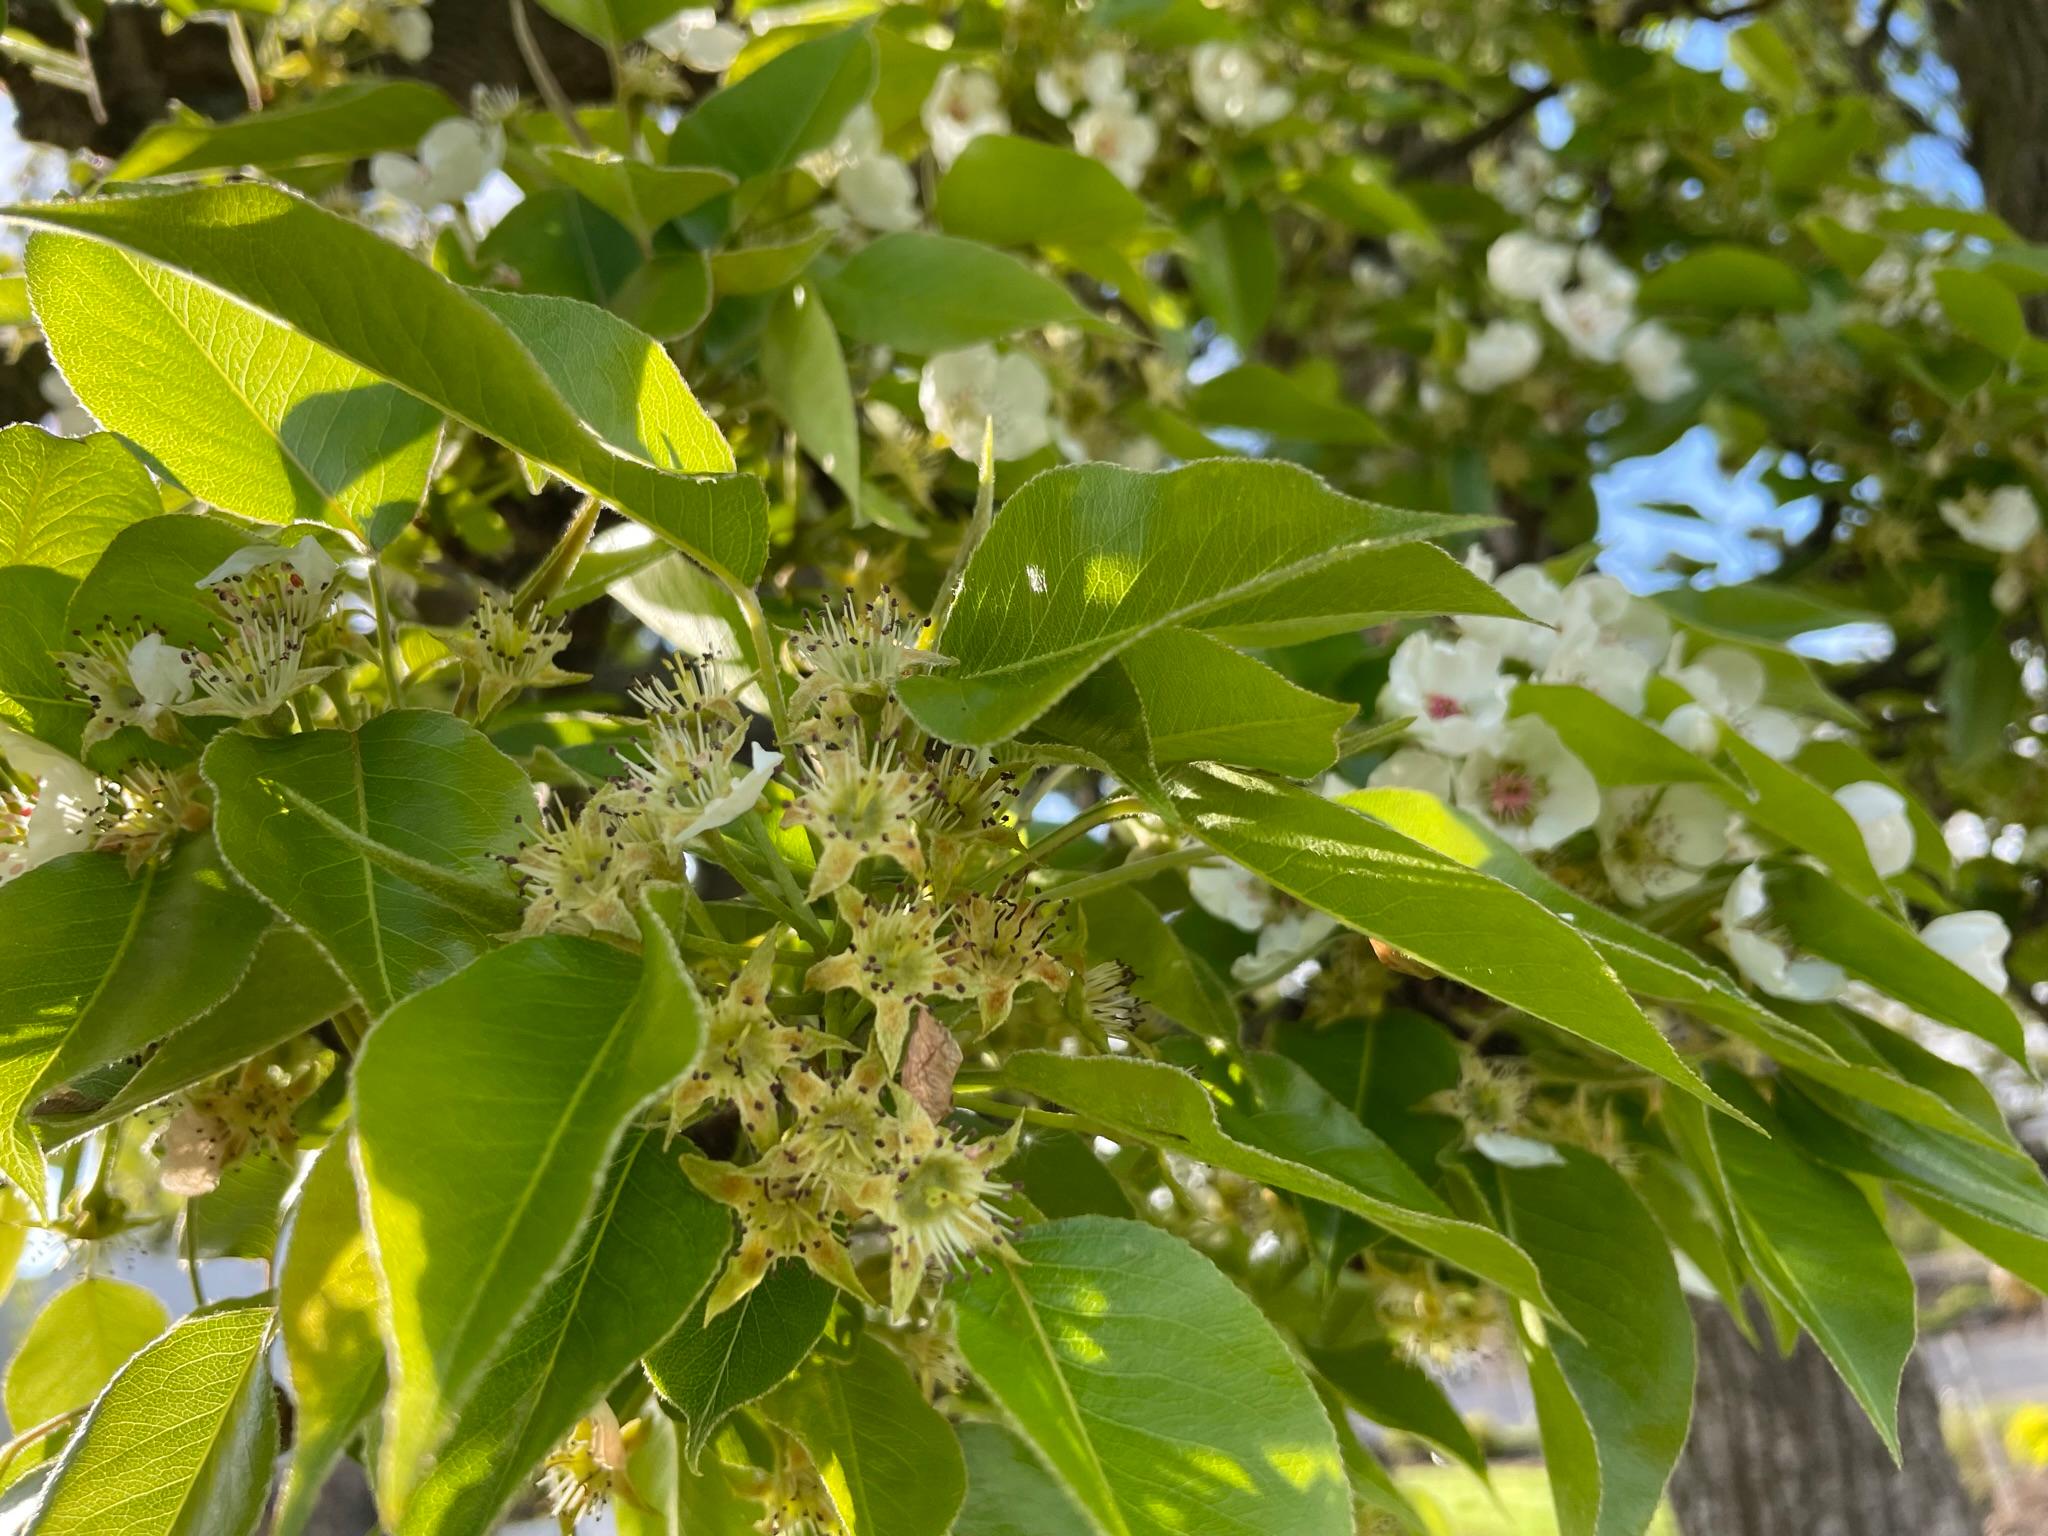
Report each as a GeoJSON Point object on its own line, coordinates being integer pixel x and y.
{"type": "Point", "coordinates": [1780, 1448]}
{"type": "Point", "coordinates": [1998, 49]}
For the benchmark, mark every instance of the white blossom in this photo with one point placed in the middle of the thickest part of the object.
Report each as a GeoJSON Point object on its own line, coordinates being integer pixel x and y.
{"type": "Point", "coordinates": [878, 191]}
{"type": "Point", "coordinates": [1120, 136]}
{"type": "Point", "coordinates": [745, 793]}
{"type": "Point", "coordinates": [1377, 282]}
{"type": "Point", "coordinates": [964, 104]}
{"type": "Point", "coordinates": [1529, 588]}
{"type": "Point", "coordinates": [1655, 360]}
{"type": "Point", "coordinates": [58, 820]}
{"type": "Point", "coordinates": [1512, 1151]}
{"type": "Point", "coordinates": [1414, 768]}
{"type": "Point", "coordinates": [454, 158]}
{"type": "Point", "coordinates": [412, 34]}
{"type": "Point", "coordinates": [1527, 786]}
{"type": "Point", "coordinates": [1976, 941]}
{"type": "Point", "coordinates": [1727, 684]}
{"type": "Point", "coordinates": [1659, 840]}
{"type": "Point", "coordinates": [1293, 933]}
{"type": "Point", "coordinates": [1880, 813]}
{"type": "Point", "coordinates": [67, 418]}
{"type": "Point", "coordinates": [1454, 689]}
{"type": "Point", "coordinates": [1762, 954]}
{"type": "Point", "coordinates": [1232, 893]}
{"type": "Point", "coordinates": [960, 391]}
{"type": "Point", "coordinates": [698, 39]}
{"type": "Point", "coordinates": [1506, 351]}
{"type": "Point", "coordinates": [161, 675]}
{"type": "Point", "coordinates": [2004, 520]}
{"type": "Point", "coordinates": [306, 559]}
{"type": "Point", "coordinates": [1584, 658]}
{"type": "Point", "coordinates": [1595, 313]}
{"type": "Point", "coordinates": [1230, 89]}
{"type": "Point", "coordinates": [1520, 265]}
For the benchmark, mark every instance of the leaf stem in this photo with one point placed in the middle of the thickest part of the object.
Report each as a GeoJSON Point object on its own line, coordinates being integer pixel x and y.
{"type": "Point", "coordinates": [30, 1436]}
{"type": "Point", "coordinates": [387, 648]}
{"type": "Point", "coordinates": [544, 79]}
{"type": "Point", "coordinates": [1124, 874]}
{"type": "Point", "coordinates": [764, 658]}
{"type": "Point", "coordinates": [1101, 811]}
{"type": "Point", "coordinates": [548, 578]}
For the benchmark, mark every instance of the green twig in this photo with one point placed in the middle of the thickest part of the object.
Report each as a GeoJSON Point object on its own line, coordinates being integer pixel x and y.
{"type": "Point", "coordinates": [1124, 874]}
{"type": "Point", "coordinates": [387, 647]}
{"type": "Point", "coordinates": [1098, 813]}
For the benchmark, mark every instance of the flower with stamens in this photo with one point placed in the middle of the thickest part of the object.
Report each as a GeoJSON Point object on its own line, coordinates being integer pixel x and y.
{"type": "Point", "coordinates": [1433, 1322]}
{"type": "Point", "coordinates": [798, 1502]}
{"type": "Point", "coordinates": [841, 1130]}
{"type": "Point", "coordinates": [56, 815]}
{"type": "Point", "coordinates": [1528, 787]}
{"type": "Point", "coordinates": [859, 805]}
{"type": "Point", "coordinates": [581, 874]}
{"type": "Point", "coordinates": [937, 1200]}
{"type": "Point", "coordinates": [504, 651]}
{"type": "Point", "coordinates": [782, 1215]}
{"type": "Point", "coordinates": [254, 671]}
{"type": "Point", "coordinates": [686, 780]}
{"type": "Point", "coordinates": [1454, 690]}
{"type": "Point", "coordinates": [147, 810]}
{"type": "Point", "coordinates": [128, 679]}
{"type": "Point", "coordinates": [1659, 840]}
{"type": "Point", "coordinates": [583, 1472]}
{"type": "Point", "coordinates": [967, 806]}
{"type": "Point", "coordinates": [861, 650]}
{"type": "Point", "coordinates": [217, 1124]}
{"type": "Point", "coordinates": [290, 581]}
{"type": "Point", "coordinates": [999, 945]}
{"type": "Point", "coordinates": [686, 695]}
{"type": "Point", "coordinates": [747, 1049]}
{"type": "Point", "coordinates": [894, 960]}
{"type": "Point", "coordinates": [1107, 1000]}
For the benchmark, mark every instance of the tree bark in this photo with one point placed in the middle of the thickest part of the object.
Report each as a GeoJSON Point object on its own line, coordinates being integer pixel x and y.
{"type": "Point", "coordinates": [1780, 1448]}
{"type": "Point", "coordinates": [1998, 49]}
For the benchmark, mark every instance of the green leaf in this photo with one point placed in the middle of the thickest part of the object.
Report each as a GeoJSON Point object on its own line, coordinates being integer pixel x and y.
{"type": "Point", "coordinates": [1234, 267]}
{"type": "Point", "coordinates": [1123, 925]}
{"type": "Point", "coordinates": [239, 1217]}
{"type": "Point", "coordinates": [932, 293]}
{"type": "Point", "coordinates": [612, 22]}
{"type": "Point", "coordinates": [288, 989]}
{"type": "Point", "coordinates": [1204, 701]}
{"type": "Point", "coordinates": [327, 1311]}
{"type": "Point", "coordinates": [1342, 857]}
{"type": "Point", "coordinates": [788, 107]}
{"type": "Point", "coordinates": [1357, 591]}
{"type": "Point", "coordinates": [35, 697]}
{"type": "Point", "coordinates": [1629, 1370]}
{"type": "Point", "coordinates": [1789, 805]}
{"type": "Point", "coordinates": [1823, 918]}
{"type": "Point", "coordinates": [1257, 398]}
{"type": "Point", "coordinates": [614, 377]}
{"type": "Point", "coordinates": [1008, 1492]}
{"type": "Point", "coordinates": [487, 1107]}
{"type": "Point", "coordinates": [1381, 1382]}
{"type": "Point", "coordinates": [62, 499]}
{"type": "Point", "coordinates": [418, 782]}
{"type": "Point", "coordinates": [1652, 966]}
{"type": "Point", "coordinates": [675, 1501]}
{"type": "Point", "coordinates": [95, 966]}
{"type": "Point", "coordinates": [2003, 1186]}
{"type": "Point", "coordinates": [559, 242]}
{"type": "Point", "coordinates": [804, 371]}
{"type": "Point", "coordinates": [704, 1371]}
{"type": "Point", "coordinates": [1982, 308]}
{"type": "Point", "coordinates": [888, 1458]}
{"type": "Point", "coordinates": [1724, 278]}
{"type": "Point", "coordinates": [1155, 1393]}
{"type": "Point", "coordinates": [1816, 1244]}
{"type": "Point", "coordinates": [84, 1334]}
{"type": "Point", "coordinates": [640, 196]}
{"type": "Point", "coordinates": [150, 574]}
{"type": "Point", "coordinates": [343, 287]}
{"type": "Point", "coordinates": [1293, 1137]}
{"type": "Point", "coordinates": [743, 270]}
{"type": "Point", "coordinates": [1004, 190]}
{"type": "Point", "coordinates": [667, 297]}
{"type": "Point", "coordinates": [1618, 748]}
{"type": "Point", "coordinates": [180, 1444]}
{"type": "Point", "coordinates": [349, 122]}
{"type": "Point", "coordinates": [640, 1266]}
{"type": "Point", "coordinates": [1083, 562]}
{"type": "Point", "coordinates": [246, 413]}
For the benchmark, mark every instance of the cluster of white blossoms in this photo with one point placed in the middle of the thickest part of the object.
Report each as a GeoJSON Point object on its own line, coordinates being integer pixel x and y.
{"type": "Point", "coordinates": [1589, 299]}
{"type": "Point", "coordinates": [453, 159]}
{"type": "Point", "coordinates": [1110, 127]}
{"type": "Point", "coordinates": [1231, 89]}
